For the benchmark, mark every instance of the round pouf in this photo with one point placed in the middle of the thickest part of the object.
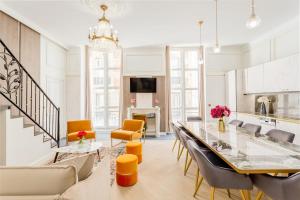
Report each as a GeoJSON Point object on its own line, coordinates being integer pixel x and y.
{"type": "Point", "coordinates": [127, 170]}
{"type": "Point", "coordinates": [135, 148]}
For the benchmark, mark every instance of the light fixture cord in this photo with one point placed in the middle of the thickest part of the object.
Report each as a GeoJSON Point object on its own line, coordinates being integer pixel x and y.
{"type": "Point", "coordinates": [217, 38]}
{"type": "Point", "coordinates": [200, 34]}
{"type": "Point", "coordinates": [252, 8]}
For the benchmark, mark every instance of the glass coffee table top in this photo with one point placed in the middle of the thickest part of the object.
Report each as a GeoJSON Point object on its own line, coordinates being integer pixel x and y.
{"type": "Point", "coordinates": [75, 147]}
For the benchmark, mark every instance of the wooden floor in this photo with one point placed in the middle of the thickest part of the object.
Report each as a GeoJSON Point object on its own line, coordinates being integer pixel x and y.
{"type": "Point", "coordinates": [161, 178]}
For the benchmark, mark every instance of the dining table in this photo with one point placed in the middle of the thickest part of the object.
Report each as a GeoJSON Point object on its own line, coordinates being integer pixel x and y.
{"type": "Point", "coordinates": [245, 152]}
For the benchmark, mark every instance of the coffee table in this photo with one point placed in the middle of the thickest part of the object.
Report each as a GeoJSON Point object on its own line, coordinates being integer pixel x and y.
{"type": "Point", "coordinates": [76, 148]}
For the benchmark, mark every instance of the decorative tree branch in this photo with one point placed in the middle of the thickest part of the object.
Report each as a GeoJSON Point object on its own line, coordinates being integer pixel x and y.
{"type": "Point", "coordinates": [10, 75]}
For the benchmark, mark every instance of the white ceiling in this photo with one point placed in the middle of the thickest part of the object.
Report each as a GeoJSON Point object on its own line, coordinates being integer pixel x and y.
{"type": "Point", "coordinates": [158, 22]}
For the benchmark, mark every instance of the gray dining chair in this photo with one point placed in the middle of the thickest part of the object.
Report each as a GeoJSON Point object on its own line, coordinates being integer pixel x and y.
{"type": "Point", "coordinates": [193, 118]}
{"type": "Point", "coordinates": [172, 125]}
{"type": "Point", "coordinates": [252, 128]}
{"type": "Point", "coordinates": [189, 157]}
{"type": "Point", "coordinates": [277, 188]}
{"type": "Point", "coordinates": [218, 174]}
{"type": "Point", "coordinates": [178, 139]}
{"type": "Point", "coordinates": [236, 122]}
{"type": "Point", "coordinates": [281, 136]}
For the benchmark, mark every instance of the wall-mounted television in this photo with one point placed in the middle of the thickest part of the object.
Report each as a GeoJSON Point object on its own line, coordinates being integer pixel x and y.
{"type": "Point", "coordinates": [142, 85]}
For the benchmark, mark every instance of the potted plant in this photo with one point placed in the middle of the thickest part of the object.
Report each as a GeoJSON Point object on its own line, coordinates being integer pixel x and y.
{"type": "Point", "coordinates": [220, 112]}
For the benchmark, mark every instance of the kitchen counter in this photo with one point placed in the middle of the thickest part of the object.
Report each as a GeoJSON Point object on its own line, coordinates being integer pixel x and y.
{"type": "Point", "coordinates": [295, 120]}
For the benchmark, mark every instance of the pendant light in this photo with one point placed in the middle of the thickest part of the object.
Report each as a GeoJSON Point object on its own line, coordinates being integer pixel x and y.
{"type": "Point", "coordinates": [201, 61]}
{"type": "Point", "coordinates": [253, 20]}
{"type": "Point", "coordinates": [217, 48]}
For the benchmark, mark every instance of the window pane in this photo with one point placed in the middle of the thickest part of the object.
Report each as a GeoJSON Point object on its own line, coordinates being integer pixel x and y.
{"type": "Point", "coordinates": [175, 61]}
{"type": "Point", "coordinates": [97, 77]}
{"type": "Point", "coordinates": [113, 117]}
{"type": "Point", "coordinates": [98, 98]}
{"type": "Point", "coordinates": [176, 97]}
{"type": "Point", "coordinates": [97, 59]}
{"type": "Point", "coordinates": [191, 79]}
{"type": "Point", "coordinates": [113, 78]}
{"type": "Point", "coordinates": [191, 60]}
{"type": "Point", "coordinates": [191, 98]}
{"type": "Point", "coordinates": [176, 79]}
{"type": "Point", "coordinates": [98, 117]}
{"type": "Point", "coordinates": [114, 59]}
{"type": "Point", "coordinates": [113, 97]}
{"type": "Point", "coordinates": [192, 112]}
{"type": "Point", "coordinates": [176, 115]}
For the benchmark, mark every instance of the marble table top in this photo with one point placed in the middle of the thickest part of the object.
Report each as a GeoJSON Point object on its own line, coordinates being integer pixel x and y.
{"type": "Point", "coordinates": [245, 152]}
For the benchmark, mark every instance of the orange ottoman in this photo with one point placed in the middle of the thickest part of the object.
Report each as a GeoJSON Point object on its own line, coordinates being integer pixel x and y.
{"type": "Point", "coordinates": [135, 148]}
{"type": "Point", "coordinates": [127, 170]}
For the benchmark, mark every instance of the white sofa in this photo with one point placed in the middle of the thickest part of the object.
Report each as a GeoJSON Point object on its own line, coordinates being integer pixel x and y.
{"type": "Point", "coordinates": [50, 183]}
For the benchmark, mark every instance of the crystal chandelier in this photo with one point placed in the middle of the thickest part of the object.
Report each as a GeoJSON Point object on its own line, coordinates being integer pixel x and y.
{"type": "Point", "coordinates": [102, 36]}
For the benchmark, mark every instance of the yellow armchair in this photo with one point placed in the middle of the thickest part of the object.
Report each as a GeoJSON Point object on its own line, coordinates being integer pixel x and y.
{"type": "Point", "coordinates": [79, 125]}
{"type": "Point", "coordinates": [131, 130]}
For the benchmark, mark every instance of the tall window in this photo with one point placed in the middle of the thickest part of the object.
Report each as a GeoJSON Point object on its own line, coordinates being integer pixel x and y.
{"type": "Point", "coordinates": [185, 84]}
{"type": "Point", "coordinates": [105, 88]}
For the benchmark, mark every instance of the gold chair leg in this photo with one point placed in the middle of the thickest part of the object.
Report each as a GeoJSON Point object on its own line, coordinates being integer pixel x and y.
{"type": "Point", "coordinates": [111, 142]}
{"type": "Point", "coordinates": [197, 183]}
{"type": "Point", "coordinates": [181, 151]}
{"type": "Point", "coordinates": [188, 166]}
{"type": "Point", "coordinates": [248, 194]}
{"type": "Point", "coordinates": [175, 142]}
{"type": "Point", "coordinates": [260, 194]}
{"type": "Point", "coordinates": [186, 161]}
{"type": "Point", "coordinates": [212, 193]}
{"type": "Point", "coordinates": [178, 152]}
{"type": "Point", "coordinates": [228, 193]}
{"type": "Point", "coordinates": [243, 195]}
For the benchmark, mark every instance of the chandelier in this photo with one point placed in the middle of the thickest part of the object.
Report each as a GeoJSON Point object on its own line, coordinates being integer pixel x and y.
{"type": "Point", "coordinates": [102, 36]}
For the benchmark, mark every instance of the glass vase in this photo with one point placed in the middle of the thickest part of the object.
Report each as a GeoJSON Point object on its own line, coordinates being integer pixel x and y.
{"type": "Point", "coordinates": [221, 125]}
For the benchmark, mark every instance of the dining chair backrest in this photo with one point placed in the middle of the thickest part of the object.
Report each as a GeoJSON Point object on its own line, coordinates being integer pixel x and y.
{"type": "Point", "coordinates": [193, 118]}
{"type": "Point", "coordinates": [176, 131]}
{"type": "Point", "coordinates": [281, 136]}
{"type": "Point", "coordinates": [236, 122]}
{"type": "Point", "coordinates": [278, 188]}
{"type": "Point", "coordinates": [216, 172]}
{"type": "Point", "coordinates": [185, 137]}
{"type": "Point", "coordinates": [252, 128]}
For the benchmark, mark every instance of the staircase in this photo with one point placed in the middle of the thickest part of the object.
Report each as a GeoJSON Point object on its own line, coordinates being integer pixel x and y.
{"type": "Point", "coordinates": [20, 93]}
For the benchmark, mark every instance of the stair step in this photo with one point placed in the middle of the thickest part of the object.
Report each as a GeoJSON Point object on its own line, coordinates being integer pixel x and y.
{"type": "Point", "coordinates": [28, 125]}
{"type": "Point", "coordinates": [38, 133]}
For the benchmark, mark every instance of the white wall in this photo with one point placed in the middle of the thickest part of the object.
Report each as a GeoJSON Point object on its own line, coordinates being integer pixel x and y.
{"type": "Point", "coordinates": [144, 61]}
{"type": "Point", "coordinates": [53, 70]}
{"type": "Point", "coordinates": [278, 43]}
{"type": "Point", "coordinates": [73, 84]}
{"type": "Point", "coordinates": [228, 59]}
{"type": "Point", "coordinates": [21, 146]}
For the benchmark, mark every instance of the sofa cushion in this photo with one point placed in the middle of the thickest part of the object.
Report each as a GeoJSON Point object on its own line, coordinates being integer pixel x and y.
{"type": "Point", "coordinates": [46, 180]}
{"type": "Point", "coordinates": [84, 164]}
{"type": "Point", "coordinates": [125, 135]}
{"type": "Point", "coordinates": [39, 197]}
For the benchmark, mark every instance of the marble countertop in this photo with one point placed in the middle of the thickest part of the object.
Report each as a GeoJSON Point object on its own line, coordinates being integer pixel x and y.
{"type": "Point", "coordinates": [295, 119]}
{"type": "Point", "coordinates": [245, 152]}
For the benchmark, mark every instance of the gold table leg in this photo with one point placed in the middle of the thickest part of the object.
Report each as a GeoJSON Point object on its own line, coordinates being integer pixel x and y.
{"type": "Point", "coordinates": [212, 193]}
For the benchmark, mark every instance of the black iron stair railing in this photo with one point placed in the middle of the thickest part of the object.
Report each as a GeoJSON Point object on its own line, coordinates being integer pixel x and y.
{"type": "Point", "coordinates": [19, 88]}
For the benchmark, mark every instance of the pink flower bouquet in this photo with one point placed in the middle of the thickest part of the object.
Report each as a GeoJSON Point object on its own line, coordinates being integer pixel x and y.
{"type": "Point", "coordinates": [220, 112]}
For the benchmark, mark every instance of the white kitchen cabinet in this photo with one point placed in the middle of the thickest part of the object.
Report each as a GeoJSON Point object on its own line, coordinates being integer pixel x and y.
{"type": "Point", "coordinates": [290, 127]}
{"type": "Point", "coordinates": [254, 79]}
{"type": "Point", "coordinates": [282, 75]}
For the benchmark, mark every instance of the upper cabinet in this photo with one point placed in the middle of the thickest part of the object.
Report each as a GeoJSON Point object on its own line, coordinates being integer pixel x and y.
{"type": "Point", "coordinates": [254, 79]}
{"type": "Point", "coordinates": [281, 75]}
